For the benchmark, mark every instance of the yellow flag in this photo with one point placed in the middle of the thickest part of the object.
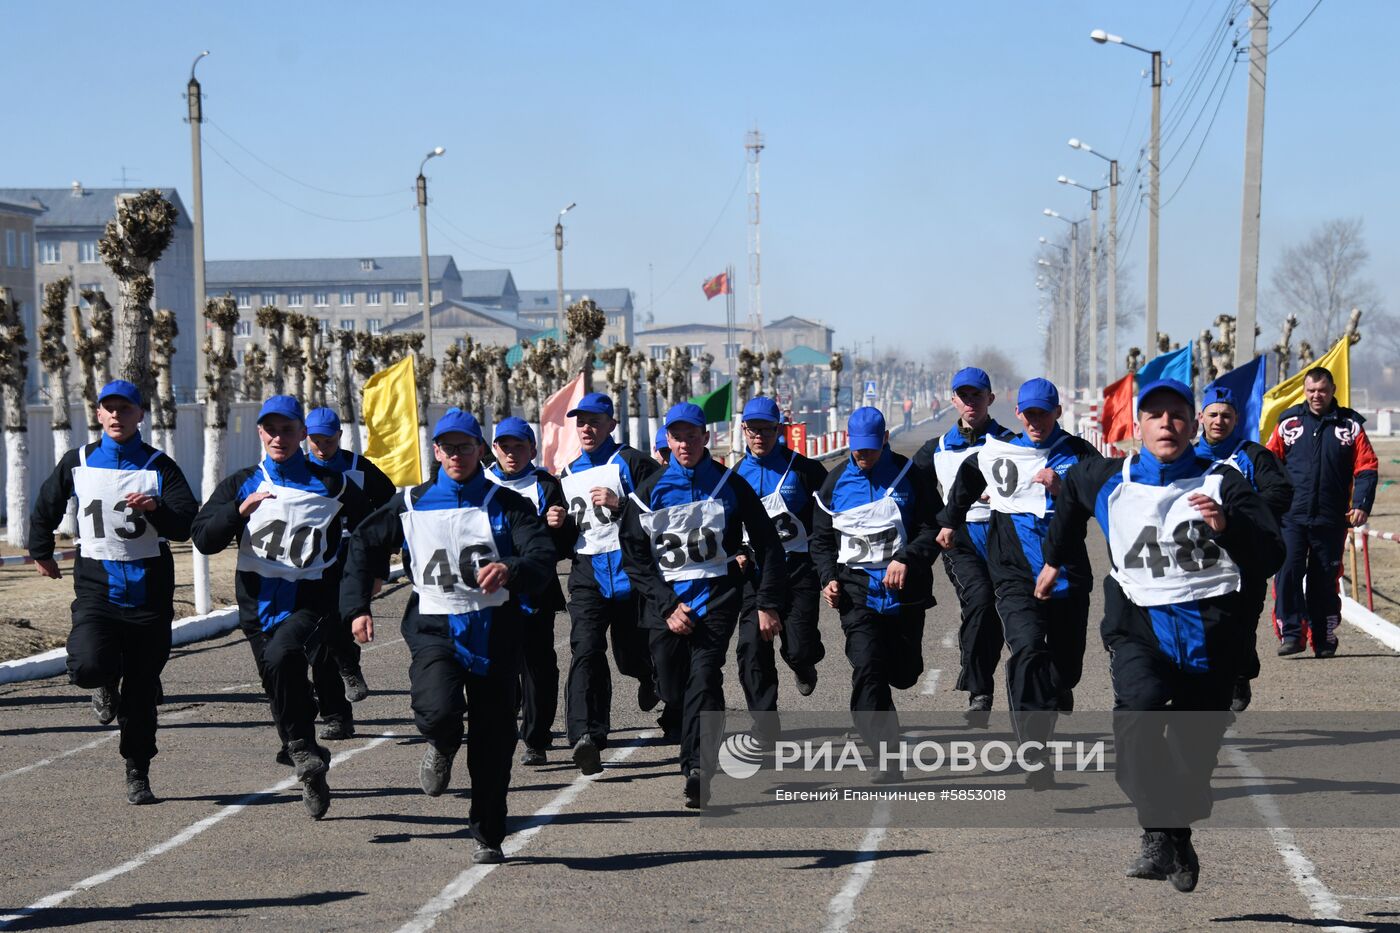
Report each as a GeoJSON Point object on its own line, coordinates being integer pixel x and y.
{"type": "Point", "coordinates": [1289, 392]}
{"type": "Point", "coordinates": [391, 414]}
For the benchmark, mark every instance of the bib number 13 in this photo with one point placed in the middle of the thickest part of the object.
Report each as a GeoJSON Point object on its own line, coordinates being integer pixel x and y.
{"type": "Point", "coordinates": [1194, 551]}
{"type": "Point", "coordinates": [133, 527]}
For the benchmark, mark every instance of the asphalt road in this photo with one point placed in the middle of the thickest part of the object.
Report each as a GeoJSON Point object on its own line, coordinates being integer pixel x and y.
{"type": "Point", "coordinates": [230, 847]}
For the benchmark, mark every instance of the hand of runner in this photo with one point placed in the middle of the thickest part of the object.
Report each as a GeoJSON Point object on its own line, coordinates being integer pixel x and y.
{"type": "Point", "coordinates": [554, 516]}
{"type": "Point", "coordinates": [679, 621]}
{"type": "Point", "coordinates": [894, 575]}
{"type": "Point", "coordinates": [1049, 479]}
{"type": "Point", "coordinates": [250, 505]}
{"type": "Point", "coordinates": [606, 498]}
{"type": "Point", "coordinates": [769, 625]}
{"type": "Point", "coordinates": [363, 629]}
{"type": "Point", "coordinates": [1357, 517]}
{"type": "Point", "coordinates": [48, 568]}
{"type": "Point", "coordinates": [1045, 583]}
{"type": "Point", "coordinates": [1210, 510]}
{"type": "Point", "coordinates": [832, 593]}
{"type": "Point", "coordinates": [492, 577]}
{"type": "Point", "coordinates": [743, 561]}
{"type": "Point", "coordinates": [945, 538]}
{"type": "Point", "coordinates": [140, 502]}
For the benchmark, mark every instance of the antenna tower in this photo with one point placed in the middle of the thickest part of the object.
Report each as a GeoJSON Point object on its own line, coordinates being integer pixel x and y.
{"type": "Point", "coordinates": [753, 145]}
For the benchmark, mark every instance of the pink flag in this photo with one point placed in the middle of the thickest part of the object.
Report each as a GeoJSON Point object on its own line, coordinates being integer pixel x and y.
{"type": "Point", "coordinates": [558, 440]}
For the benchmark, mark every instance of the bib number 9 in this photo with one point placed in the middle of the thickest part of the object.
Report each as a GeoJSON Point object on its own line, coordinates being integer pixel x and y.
{"type": "Point", "coordinates": [673, 552]}
{"type": "Point", "coordinates": [1006, 475]}
{"type": "Point", "coordinates": [589, 516]}
{"type": "Point", "coordinates": [1195, 551]}
{"type": "Point", "coordinates": [876, 548]}
{"type": "Point", "coordinates": [442, 573]}
{"type": "Point", "coordinates": [133, 527]}
{"type": "Point", "coordinates": [301, 548]}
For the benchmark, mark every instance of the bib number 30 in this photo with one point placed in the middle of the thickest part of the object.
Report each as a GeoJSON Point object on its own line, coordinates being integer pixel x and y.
{"type": "Point", "coordinates": [1194, 552]}
{"type": "Point", "coordinates": [697, 547]}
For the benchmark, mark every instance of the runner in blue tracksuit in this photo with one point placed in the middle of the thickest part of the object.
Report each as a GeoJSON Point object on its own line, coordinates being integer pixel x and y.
{"type": "Point", "coordinates": [601, 598]}
{"type": "Point", "coordinates": [132, 499]}
{"type": "Point", "coordinates": [660, 447]}
{"type": "Point", "coordinates": [980, 635]}
{"type": "Point", "coordinates": [1046, 637]}
{"type": "Point", "coordinates": [874, 541]}
{"type": "Point", "coordinates": [515, 451]}
{"type": "Point", "coordinates": [1222, 442]}
{"type": "Point", "coordinates": [682, 532]}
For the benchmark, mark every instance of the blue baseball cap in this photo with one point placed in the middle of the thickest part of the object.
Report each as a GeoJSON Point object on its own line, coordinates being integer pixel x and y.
{"type": "Point", "coordinates": [1171, 385]}
{"type": "Point", "coordinates": [761, 408]}
{"type": "Point", "coordinates": [866, 429]}
{"type": "Point", "coordinates": [122, 389]}
{"type": "Point", "coordinates": [1038, 393]}
{"type": "Point", "coordinates": [1218, 395]}
{"type": "Point", "coordinates": [285, 405]}
{"type": "Point", "coordinates": [515, 427]}
{"type": "Point", "coordinates": [686, 413]}
{"type": "Point", "coordinates": [322, 421]}
{"type": "Point", "coordinates": [660, 441]}
{"type": "Point", "coordinates": [596, 403]}
{"type": "Point", "coordinates": [971, 377]}
{"type": "Point", "coordinates": [454, 419]}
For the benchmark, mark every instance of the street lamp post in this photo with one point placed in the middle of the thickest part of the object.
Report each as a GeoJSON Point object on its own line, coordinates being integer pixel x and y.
{"type": "Point", "coordinates": [195, 101]}
{"type": "Point", "coordinates": [1112, 310]}
{"type": "Point", "coordinates": [427, 299]}
{"type": "Point", "coordinates": [1093, 282]}
{"type": "Point", "coordinates": [1071, 370]}
{"type": "Point", "coordinates": [1154, 164]}
{"type": "Point", "coordinates": [1055, 357]}
{"type": "Point", "coordinates": [559, 268]}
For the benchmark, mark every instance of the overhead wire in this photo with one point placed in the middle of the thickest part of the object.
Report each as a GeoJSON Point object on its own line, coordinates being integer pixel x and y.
{"type": "Point", "coordinates": [1294, 32]}
{"type": "Point", "coordinates": [500, 262]}
{"type": "Point", "coordinates": [292, 178]}
{"type": "Point", "coordinates": [651, 307]}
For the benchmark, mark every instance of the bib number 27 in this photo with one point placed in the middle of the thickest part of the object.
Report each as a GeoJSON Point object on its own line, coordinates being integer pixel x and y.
{"type": "Point", "coordinates": [1194, 550]}
{"type": "Point", "coordinates": [875, 548]}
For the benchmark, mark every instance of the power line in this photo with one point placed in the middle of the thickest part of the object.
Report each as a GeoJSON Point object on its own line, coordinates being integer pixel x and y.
{"type": "Point", "coordinates": [533, 244]}
{"type": "Point", "coordinates": [1231, 62]}
{"type": "Point", "coordinates": [1296, 28]}
{"type": "Point", "coordinates": [693, 256]}
{"type": "Point", "coordinates": [291, 178]}
{"type": "Point", "coordinates": [1204, 137]}
{"type": "Point", "coordinates": [500, 262]}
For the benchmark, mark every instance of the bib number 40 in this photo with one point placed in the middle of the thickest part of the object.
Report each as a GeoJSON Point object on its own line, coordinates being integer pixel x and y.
{"type": "Point", "coordinates": [271, 542]}
{"type": "Point", "coordinates": [1194, 552]}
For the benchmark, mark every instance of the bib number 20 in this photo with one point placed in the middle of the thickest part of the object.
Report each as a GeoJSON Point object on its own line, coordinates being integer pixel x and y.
{"type": "Point", "coordinates": [587, 515]}
{"type": "Point", "coordinates": [1194, 551]}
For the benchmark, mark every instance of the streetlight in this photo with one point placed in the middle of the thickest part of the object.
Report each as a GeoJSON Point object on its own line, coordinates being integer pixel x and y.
{"type": "Point", "coordinates": [1154, 164]}
{"type": "Point", "coordinates": [1093, 281]}
{"type": "Point", "coordinates": [1112, 310]}
{"type": "Point", "coordinates": [1058, 344]}
{"type": "Point", "coordinates": [1071, 370]}
{"type": "Point", "coordinates": [194, 99]}
{"type": "Point", "coordinates": [423, 244]}
{"type": "Point", "coordinates": [559, 265]}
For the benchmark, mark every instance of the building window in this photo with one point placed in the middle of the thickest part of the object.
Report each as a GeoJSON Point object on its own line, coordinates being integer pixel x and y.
{"type": "Point", "coordinates": [612, 340]}
{"type": "Point", "coordinates": [695, 350]}
{"type": "Point", "coordinates": [366, 265]}
{"type": "Point", "coordinates": [731, 350]}
{"type": "Point", "coordinates": [400, 296]}
{"type": "Point", "coordinates": [269, 299]}
{"type": "Point", "coordinates": [348, 325]}
{"type": "Point", "coordinates": [372, 298]}
{"type": "Point", "coordinates": [545, 302]}
{"type": "Point", "coordinates": [294, 300]}
{"type": "Point", "coordinates": [243, 329]}
{"type": "Point", "coordinates": [347, 298]}
{"type": "Point", "coordinates": [87, 251]}
{"type": "Point", "coordinates": [322, 299]}
{"type": "Point", "coordinates": [10, 247]}
{"type": "Point", "coordinates": [245, 300]}
{"type": "Point", "coordinates": [238, 356]}
{"type": "Point", "coordinates": [323, 324]}
{"type": "Point", "coordinates": [48, 252]}
{"type": "Point", "coordinates": [372, 325]}
{"type": "Point", "coordinates": [659, 351]}
{"type": "Point", "coordinates": [24, 248]}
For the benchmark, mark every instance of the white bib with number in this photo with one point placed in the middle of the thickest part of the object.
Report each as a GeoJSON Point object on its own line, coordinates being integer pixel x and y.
{"type": "Point", "coordinates": [285, 537]}
{"type": "Point", "coordinates": [526, 485]}
{"type": "Point", "coordinates": [791, 531]}
{"type": "Point", "coordinates": [108, 529]}
{"type": "Point", "coordinates": [597, 527]}
{"type": "Point", "coordinates": [1009, 469]}
{"type": "Point", "coordinates": [446, 547]}
{"type": "Point", "coordinates": [688, 539]}
{"type": "Point", "coordinates": [1161, 547]}
{"type": "Point", "coordinates": [870, 535]}
{"type": "Point", "coordinates": [946, 464]}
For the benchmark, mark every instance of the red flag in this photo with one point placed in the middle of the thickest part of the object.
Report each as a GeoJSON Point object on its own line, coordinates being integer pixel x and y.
{"type": "Point", "coordinates": [1117, 417]}
{"type": "Point", "coordinates": [719, 285]}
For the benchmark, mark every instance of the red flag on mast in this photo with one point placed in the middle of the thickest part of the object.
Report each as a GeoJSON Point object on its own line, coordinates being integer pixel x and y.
{"type": "Point", "coordinates": [719, 285]}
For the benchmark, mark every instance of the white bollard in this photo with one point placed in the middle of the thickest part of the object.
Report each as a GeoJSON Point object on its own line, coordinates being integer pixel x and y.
{"type": "Point", "coordinates": [201, 583]}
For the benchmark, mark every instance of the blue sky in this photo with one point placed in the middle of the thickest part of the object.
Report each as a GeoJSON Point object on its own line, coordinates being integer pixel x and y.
{"type": "Point", "coordinates": [910, 146]}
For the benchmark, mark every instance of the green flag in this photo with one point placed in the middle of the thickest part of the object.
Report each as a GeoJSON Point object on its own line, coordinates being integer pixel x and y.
{"type": "Point", "coordinates": [717, 405]}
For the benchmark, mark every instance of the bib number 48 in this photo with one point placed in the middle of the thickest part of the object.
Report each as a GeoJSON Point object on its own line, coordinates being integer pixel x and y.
{"type": "Point", "coordinates": [1194, 552]}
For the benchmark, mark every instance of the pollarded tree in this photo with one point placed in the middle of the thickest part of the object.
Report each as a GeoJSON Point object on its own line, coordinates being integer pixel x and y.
{"type": "Point", "coordinates": [53, 354]}
{"type": "Point", "coordinates": [584, 325]}
{"type": "Point", "coordinates": [131, 245]}
{"type": "Point", "coordinates": [92, 343]}
{"type": "Point", "coordinates": [219, 364]}
{"type": "Point", "coordinates": [14, 371]}
{"type": "Point", "coordinates": [272, 320]}
{"type": "Point", "coordinates": [164, 330]}
{"type": "Point", "coordinates": [255, 373]}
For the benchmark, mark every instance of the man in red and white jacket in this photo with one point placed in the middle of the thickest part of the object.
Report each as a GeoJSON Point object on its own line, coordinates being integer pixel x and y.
{"type": "Point", "coordinates": [1333, 469]}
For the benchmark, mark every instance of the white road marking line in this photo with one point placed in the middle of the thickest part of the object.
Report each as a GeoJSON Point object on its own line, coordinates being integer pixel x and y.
{"type": "Point", "coordinates": [949, 639]}
{"type": "Point", "coordinates": [177, 840]}
{"type": "Point", "coordinates": [1323, 902]}
{"type": "Point", "coordinates": [107, 737]}
{"type": "Point", "coordinates": [931, 682]}
{"type": "Point", "coordinates": [842, 909]}
{"type": "Point", "coordinates": [365, 649]}
{"type": "Point", "coordinates": [463, 884]}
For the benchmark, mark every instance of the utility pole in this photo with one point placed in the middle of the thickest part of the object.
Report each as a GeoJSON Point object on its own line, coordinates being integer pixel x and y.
{"type": "Point", "coordinates": [1093, 295]}
{"type": "Point", "coordinates": [1112, 369]}
{"type": "Point", "coordinates": [1253, 183]}
{"type": "Point", "coordinates": [427, 298]}
{"type": "Point", "coordinates": [1072, 343]}
{"type": "Point", "coordinates": [1154, 160]}
{"type": "Point", "coordinates": [559, 270]}
{"type": "Point", "coordinates": [753, 146]}
{"type": "Point", "coordinates": [196, 118]}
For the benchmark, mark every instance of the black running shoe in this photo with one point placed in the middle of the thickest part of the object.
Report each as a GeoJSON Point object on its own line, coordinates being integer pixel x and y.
{"type": "Point", "coordinates": [697, 790]}
{"type": "Point", "coordinates": [355, 687]}
{"type": "Point", "coordinates": [104, 703]}
{"type": "Point", "coordinates": [1158, 857]}
{"type": "Point", "coordinates": [1290, 646]}
{"type": "Point", "coordinates": [338, 728]}
{"type": "Point", "coordinates": [482, 854]}
{"type": "Point", "coordinates": [806, 679]}
{"type": "Point", "coordinates": [138, 783]}
{"type": "Point", "coordinates": [1239, 700]}
{"type": "Point", "coordinates": [435, 772]}
{"type": "Point", "coordinates": [979, 710]}
{"type": "Point", "coordinates": [533, 756]}
{"type": "Point", "coordinates": [586, 756]}
{"type": "Point", "coordinates": [1327, 651]}
{"type": "Point", "coordinates": [647, 697]}
{"type": "Point", "coordinates": [1187, 870]}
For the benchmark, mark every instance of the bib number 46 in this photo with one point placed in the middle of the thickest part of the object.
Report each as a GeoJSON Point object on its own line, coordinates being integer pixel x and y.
{"type": "Point", "coordinates": [441, 572]}
{"type": "Point", "coordinates": [1194, 552]}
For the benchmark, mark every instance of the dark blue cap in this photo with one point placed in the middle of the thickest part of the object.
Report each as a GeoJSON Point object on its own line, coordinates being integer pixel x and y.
{"type": "Point", "coordinates": [761, 408]}
{"type": "Point", "coordinates": [1218, 395]}
{"type": "Point", "coordinates": [970, 377]}
{"type": "Point", "coordinates": [285, 405]}
{"type": "Point", "coordinates": [322, 421]}
{"type": "Point", "coordinates": [1038, 393]}
{"type": "Point", "coordinates": [454, 419]}
{"type": "Point", "coordinates": [661, 442]}
{"type": "Point", "coordinates": [1171, 385]}
{"type": "Point", "coordinates": [596, 403]}
{"type": "Point", "coordinates": [122, 389]}
{"type": "Point", "coordinates": [515, 427]}
{"type": "Point", "coordinates": [866, 429]}
{"type": "Point", "coordinates": [686, 413]}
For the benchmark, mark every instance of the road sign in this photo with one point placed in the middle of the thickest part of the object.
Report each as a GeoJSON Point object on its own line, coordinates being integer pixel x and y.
{"type": "Point", "coordinates": [870, 387]}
